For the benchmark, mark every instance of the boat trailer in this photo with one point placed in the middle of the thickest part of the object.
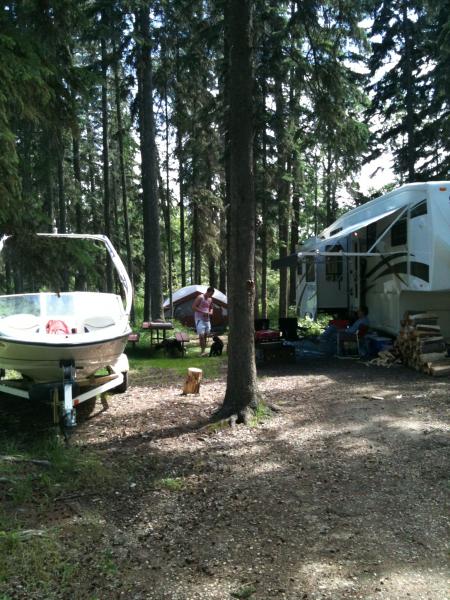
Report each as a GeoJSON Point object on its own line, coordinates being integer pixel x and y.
{"type": "Point", "coordinates": [68, 393]}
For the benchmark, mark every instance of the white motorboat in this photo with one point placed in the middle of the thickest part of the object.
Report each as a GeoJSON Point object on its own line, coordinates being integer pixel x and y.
{"type": "Point", "coordinates": [66, 336]}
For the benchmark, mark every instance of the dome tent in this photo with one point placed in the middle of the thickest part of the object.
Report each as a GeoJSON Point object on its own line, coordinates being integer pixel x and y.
{"type": "Point", "coordinates": [182, 306]}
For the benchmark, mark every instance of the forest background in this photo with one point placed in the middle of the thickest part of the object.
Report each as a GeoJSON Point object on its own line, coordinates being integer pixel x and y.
{"type": "Point", "coordinates": [114, 118]}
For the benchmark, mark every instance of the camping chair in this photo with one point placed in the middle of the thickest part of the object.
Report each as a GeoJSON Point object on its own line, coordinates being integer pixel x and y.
{"type": "Point", "coordinates": [349, 344]}
{"type": "Point", "coordinates": [289, 328]}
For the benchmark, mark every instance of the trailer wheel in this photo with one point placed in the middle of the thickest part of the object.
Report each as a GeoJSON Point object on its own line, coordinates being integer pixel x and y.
{"type": "Point", "coordinates": [120, 389]}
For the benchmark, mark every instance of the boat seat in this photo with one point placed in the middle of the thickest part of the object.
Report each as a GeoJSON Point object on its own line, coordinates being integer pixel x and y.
{"type": "Point", "coordinates": [22, 321]}
{"type": "Point", "coordinates": [98, 322]}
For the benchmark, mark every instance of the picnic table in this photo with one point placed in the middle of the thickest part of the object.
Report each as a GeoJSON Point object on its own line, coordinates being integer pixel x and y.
{"type": "Point", "coordinates": [157, 327]}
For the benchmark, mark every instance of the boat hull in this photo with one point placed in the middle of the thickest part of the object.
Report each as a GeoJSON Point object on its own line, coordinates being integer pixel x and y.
{"type": "Point", "coordinates": [41, 362]}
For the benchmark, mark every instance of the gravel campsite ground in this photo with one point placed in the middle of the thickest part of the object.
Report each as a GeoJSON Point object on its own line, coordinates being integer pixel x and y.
{"type": "Point", "coordinates": [338, 494]}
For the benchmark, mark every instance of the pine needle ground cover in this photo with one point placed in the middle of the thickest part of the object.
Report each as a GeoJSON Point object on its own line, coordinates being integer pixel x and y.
{"type": "Point", "coordinates": [339, 494]}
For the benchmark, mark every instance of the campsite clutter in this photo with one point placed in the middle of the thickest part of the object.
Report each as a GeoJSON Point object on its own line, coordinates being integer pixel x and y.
{"type": "Point", "coordinates": [421, 345]}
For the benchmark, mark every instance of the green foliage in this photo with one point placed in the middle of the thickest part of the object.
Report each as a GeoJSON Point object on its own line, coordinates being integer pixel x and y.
{"type": "Point", "coordinates": [46, 556]}
{"type": "Point", "coordinates": [309, 101]}
{"type": "Point", "coordinates": [144, 359]}
{"type": "Point", "coordinates": [48, 559]}
{"type": "Point", "coordinates": [71, 469]}
{"type": "Point", "coordinates": [312, 327]}
{"type": "Point", "coordinates": [260, 414]}
{"type": "Point", "coordinates": [173, 484]}
{"type": "Point", "coordinates": [410, 101]}
{"type": "Point", "coordinates": [245, 591]}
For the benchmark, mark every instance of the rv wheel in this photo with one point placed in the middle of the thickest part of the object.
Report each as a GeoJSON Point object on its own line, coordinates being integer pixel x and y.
{"type": "Point", "coordinates": [120, 389]}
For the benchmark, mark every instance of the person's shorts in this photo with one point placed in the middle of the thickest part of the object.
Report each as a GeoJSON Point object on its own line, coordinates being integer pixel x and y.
{"type": "Point", "coordinates": [203, 327]}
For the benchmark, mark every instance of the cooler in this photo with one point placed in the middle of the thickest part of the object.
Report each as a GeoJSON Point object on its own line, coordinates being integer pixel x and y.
{"type": "Point", "coordinates": [377, 343]}
{"type": "Point", "coordinates": [267, 335]}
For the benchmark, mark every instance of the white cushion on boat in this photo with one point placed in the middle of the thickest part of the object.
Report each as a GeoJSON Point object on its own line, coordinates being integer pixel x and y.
{"type": "Point", "coordinates": [20, 321]}
{"type": "Point", "coordinates": [99, 322]}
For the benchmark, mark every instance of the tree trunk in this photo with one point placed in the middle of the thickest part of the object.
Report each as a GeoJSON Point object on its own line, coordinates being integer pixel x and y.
{"type": "Point", "coordinates": [327, 188]}
{"type": "Point", "coordinates": [179, 151]}
{"type": "Point", "coordinates": [196, 243]}
{"type": "Point", "coordinates": [80, 279]}
{"type": "Point", "coordinates": [264, 215]}
{"type": "Point", "coordinates": [62, 213]}
{"type": "Point", "coordinates": [212, 274]}
{"type": "Point", "coordinates": [294, 232]}
{"type": "Point", "coordinates": [196, 248]}
{"type": "Point", "coordinates": [152, 244]}
{"type": "Point", "coordinates": [123, 179]}
{"type": "Point", "coordinates": [49, 201]}
{"type": "Point", "coordinates": [223, 252]}
{"type": "Point", "coordinates": [105, 159]}
{"type": "Point", "coordinates": [241, 390]}
{"type": "Point", "coordinates": [77, 177]}
{"type": "Point", "coordinates": [282, 193]}
{"type": "Point", "coordinates": [91, 175]}
{"type": "Point", "coordinates": [409, 87]}
{"type": "Point", "coordinates": [168, 219]}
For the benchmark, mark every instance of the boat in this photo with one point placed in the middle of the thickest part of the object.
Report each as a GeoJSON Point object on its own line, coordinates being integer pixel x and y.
{"type": "Point", "coordinates": [54, 337]}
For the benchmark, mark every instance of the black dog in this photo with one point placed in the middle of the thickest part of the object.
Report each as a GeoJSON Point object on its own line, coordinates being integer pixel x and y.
{"type": "Point", "coordinates": [171, 347]}
{"type": "Point", "coordinates": [216, 346]}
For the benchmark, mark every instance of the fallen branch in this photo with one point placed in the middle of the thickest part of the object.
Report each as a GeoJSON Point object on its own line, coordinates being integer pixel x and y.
{"type": "Point", "coordinates": [27, 534]}
{"type": "Point", "coordinates": [20, 459]}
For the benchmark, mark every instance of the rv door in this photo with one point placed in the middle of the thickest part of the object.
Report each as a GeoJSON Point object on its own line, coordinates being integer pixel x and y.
{"type": "Point", "coordinates": [331, 278]}
{"type": "Point", "coordinates": [307, 287]}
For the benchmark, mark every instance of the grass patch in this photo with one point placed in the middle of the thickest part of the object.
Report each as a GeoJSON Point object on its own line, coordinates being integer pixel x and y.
{"type": "Point", "coordinates": [142, 359]}
{"type": "Point", "coordinates": [173, 484]}
{"type": "Point", "coordinates": [48, 566]}
{"type": "Point", "coordinates": [244, 592]}
{"type": "Point", "coordinates": [260, 414]}
{"type": "Point", "coordinates": [39, 552]}
{"type": "Point", "coordinates": [71, 469]}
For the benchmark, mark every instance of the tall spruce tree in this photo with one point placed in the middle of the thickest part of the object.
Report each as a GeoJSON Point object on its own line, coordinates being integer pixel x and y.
{"type": "Point", "coordinates": [149, 170]}
{"type": "Point", "coordinates": [399, 94]}
{"type": "Point", "coordinates": [241, 392]}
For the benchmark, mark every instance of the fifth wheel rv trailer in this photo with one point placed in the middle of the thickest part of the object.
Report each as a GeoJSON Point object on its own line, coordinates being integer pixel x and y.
{"type": "Point", "coordinates": [391, 254]}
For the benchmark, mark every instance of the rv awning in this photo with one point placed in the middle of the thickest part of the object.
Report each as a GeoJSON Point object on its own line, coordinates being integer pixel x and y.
{"type": "Point", "coordinates": [292, 259]}
{"type": "Point", "coordinates": [361, 225]}
{"type": "Point", "coordinates": [287, 261]}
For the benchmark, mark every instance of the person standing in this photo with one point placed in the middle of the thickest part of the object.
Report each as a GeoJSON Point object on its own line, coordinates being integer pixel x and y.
{"type": "Point", "coordinates": [203, 310]}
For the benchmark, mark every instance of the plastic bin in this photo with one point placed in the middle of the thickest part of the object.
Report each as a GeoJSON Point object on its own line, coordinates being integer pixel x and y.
{"type": "Point", "coordinates": [378, 343]}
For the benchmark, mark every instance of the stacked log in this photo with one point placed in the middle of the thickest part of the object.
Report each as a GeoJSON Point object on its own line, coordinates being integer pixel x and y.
{"type": "Point", "coordinates": [421, 345]}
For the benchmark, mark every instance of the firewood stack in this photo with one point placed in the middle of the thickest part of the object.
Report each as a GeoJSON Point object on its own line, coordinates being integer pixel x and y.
{"type": "Point", "coordinates": [421, 344]}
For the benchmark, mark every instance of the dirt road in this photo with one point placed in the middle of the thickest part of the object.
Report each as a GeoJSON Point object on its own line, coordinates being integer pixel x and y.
{"type": "Point", "coordinates": [339, 495]}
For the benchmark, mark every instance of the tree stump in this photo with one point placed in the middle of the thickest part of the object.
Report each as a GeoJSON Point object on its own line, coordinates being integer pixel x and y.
{"type": "Point", "coordinates": [192, 383]}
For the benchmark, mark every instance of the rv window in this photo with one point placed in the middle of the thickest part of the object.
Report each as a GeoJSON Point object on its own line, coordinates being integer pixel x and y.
{"type": "Point", "coordinates": [399, 233]}
{"type": "Point", "coordinates": [299, 267]}
{"type": "Point", "coordinates": [333, 264]}
{"type": "Point", "coordinates": [333, 268]}
{"type": "Point", "coordinates": [310, 269]}
{"type": "Point", "coordinates": [371, 235]}
{"type": "Point", "coordinates": [335, 231]}
{"type": "Point", "coordinates": [419, 209]}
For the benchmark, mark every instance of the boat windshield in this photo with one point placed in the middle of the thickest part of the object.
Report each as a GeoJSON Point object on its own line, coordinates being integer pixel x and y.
{"type": "Point", "coordinates": [79, 304]}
